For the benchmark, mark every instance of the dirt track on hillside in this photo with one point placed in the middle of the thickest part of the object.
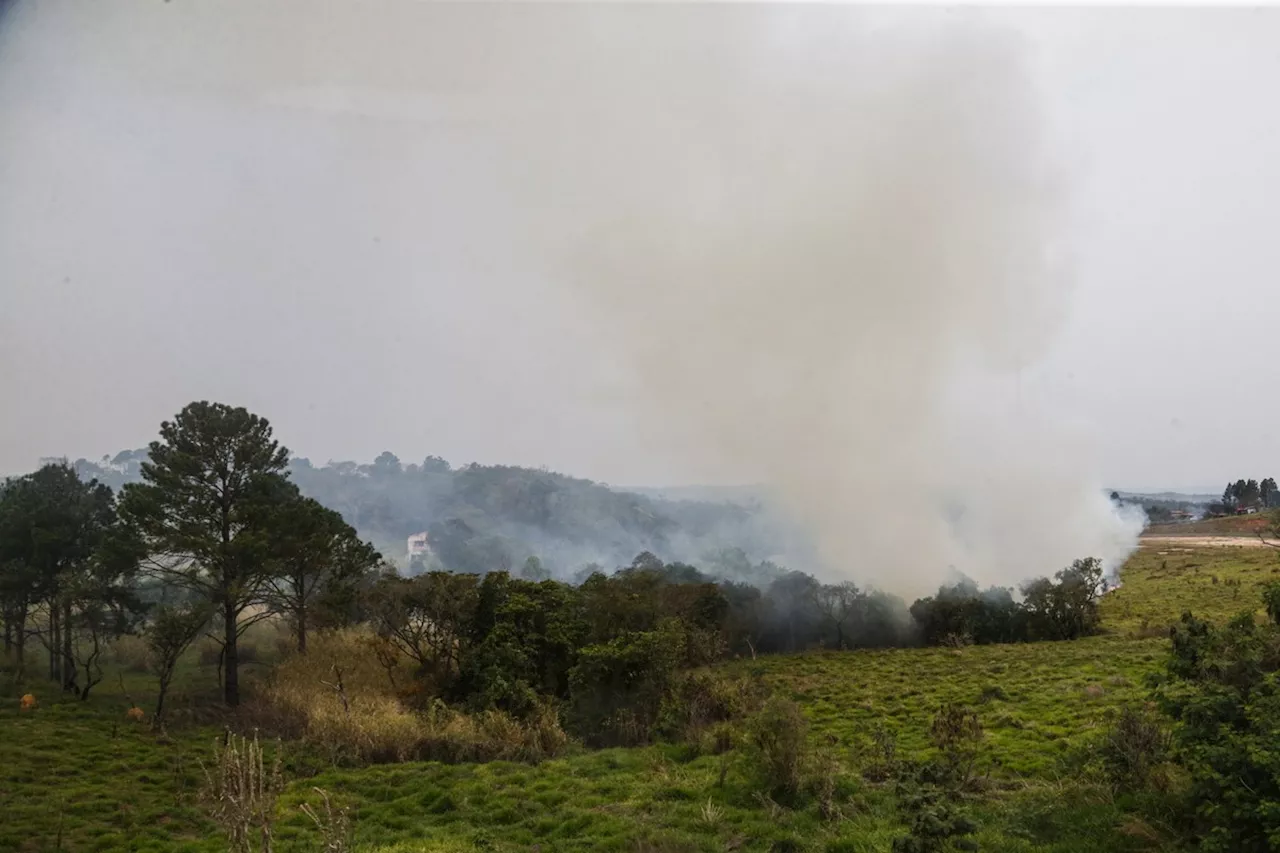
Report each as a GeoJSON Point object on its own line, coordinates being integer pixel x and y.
{"type": "Point", "coordinates": [1175, 542]}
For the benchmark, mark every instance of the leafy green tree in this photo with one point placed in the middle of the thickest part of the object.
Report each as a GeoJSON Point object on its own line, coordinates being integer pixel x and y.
{"type": "Point", "coordinates": [205, 510]}
{"type": "Point", "coordinates": [961, 613]}
{"type": "Point", "coordinates": [617, 687]}
{"type": "Point", "coordinates": [797, 624]}
{"type": "Point", "coordinates": [429, 619]}
{"type": "Point", "coordinates": [318, 559]}
{"type": "Point", "coordinates": [19, 580]}
{"type": "Point", "coordinates": [1243, 493]}
{"type": "Point", "coordinates": [1224, 697]}
{"type": "Point", "coordinates": [104, 603]}
{"type": "Point", "coordinates": [435, 465]}
{"type": "Point", "coordinates": [524, 640]}
{"type": "Point", "coordinates": [54, 534]}
{"type": "Point", "coordinates": [169, 633]}
{"type": "Point", "coordinates": [1067, 609]}
{"type": "Point", "coordinates": [839, 605]}
{"type": "Point", "coordinates": [386, 465]}
{"type": "Point", "coordinates": [462, 547]}
{"type": "Point", "coordinates": [746, 618]}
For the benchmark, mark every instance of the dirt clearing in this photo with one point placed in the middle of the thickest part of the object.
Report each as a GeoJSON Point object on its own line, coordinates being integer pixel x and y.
{"type": "Point", "coordinates": [1187, 542]}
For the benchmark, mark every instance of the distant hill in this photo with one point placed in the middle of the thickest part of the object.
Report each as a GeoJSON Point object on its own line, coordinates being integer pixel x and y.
{"type": "Point", "coordinates": [484, 517]}
{"type": "Point", "coordinates": [1173, 497]}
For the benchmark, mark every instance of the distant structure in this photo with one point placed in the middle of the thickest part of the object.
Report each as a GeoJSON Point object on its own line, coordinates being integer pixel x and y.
{"type": "Point", "coordinates": [418, 544]}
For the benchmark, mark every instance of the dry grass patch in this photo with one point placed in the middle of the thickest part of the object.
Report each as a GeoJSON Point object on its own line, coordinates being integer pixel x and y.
{"type": "Point", "coordinates": [341, 698]}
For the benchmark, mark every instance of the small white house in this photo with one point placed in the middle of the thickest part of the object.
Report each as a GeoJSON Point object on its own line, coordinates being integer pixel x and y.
{"type": "Point", "coordinates": [418, 544]}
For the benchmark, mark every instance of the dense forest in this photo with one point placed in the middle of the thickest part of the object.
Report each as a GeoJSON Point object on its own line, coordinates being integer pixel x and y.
{"type": "Point", "coordinates": [485, 517]}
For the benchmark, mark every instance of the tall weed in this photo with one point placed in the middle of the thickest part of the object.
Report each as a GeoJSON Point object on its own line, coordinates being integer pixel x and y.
{"type": "Point", "coordinates": [240, 793]}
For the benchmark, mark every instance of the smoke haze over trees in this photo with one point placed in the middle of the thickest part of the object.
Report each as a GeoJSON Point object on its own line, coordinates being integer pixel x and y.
{"type": "Point", "coordinates": [483, 518]}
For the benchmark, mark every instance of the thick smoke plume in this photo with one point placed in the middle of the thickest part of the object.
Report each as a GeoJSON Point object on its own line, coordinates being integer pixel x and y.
{"type": "Point", "coordinates": [821, 252]}
{"type": "Point", "coordinates": [808, 246]}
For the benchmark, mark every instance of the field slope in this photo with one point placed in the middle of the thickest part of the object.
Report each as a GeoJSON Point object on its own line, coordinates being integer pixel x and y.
{"type": "Point", "coordinates": [78, 777]}
{"type": "Point", "coordinates": [1230, 525]}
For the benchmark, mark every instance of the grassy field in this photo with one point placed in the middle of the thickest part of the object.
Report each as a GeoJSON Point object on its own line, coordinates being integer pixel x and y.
{"type": "Point", "coordinates": [80, 777]}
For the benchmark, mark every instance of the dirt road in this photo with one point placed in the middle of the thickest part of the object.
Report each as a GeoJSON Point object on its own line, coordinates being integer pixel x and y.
{"type": "Point", "coordinates": [1175, 542]}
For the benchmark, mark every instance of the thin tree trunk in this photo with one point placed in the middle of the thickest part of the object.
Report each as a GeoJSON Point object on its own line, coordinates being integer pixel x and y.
{"type": "Point", "coordinates": [55, 643]}
{"type": "Point", "coordinates": [165, 678]}
{"type": "Point", "coordinates": [8, 632]}
{"type": "Point", "coordinates": [68, 659]}
{"type": "Point", "coordinates": [231, 688]}
{"type": "Point", "coordinates": [20, 642]}
{"type": "Point", "coordinates": [302, 629]}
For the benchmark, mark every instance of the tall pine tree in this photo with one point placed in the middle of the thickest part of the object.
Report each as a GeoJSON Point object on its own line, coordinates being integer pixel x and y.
{"type": "Point", "coordinates": [205, 510]}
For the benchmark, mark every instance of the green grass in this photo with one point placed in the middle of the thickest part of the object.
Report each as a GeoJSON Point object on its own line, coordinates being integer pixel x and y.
{"type": "Point", "coordinates": [85, 773]}
{"type": "Point", "coordinates": [654, 799]}
{"type": "Point", "coordinates": [81, 772]}
{"type": "Point", "coordinates": [1161, 582]}
{"type": "Point", "coordinates": [1035, 699]}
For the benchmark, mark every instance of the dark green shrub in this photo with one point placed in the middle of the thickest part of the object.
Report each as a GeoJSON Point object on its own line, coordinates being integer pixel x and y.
{"type": "Point", "coordinates": [880, 755]}
{"type": "Point", "coordinates": [957, 734]}
{"type": "Point", "coordinates": [929, 793]}
{"type": "Point", "coordinates": [1271, 601]}
{"type": "Point", "coordinates": [1133, 749]}
{"type": "Point", "coordinates": [776, 740]}
{"type": "Point", "coordinates": [932, 816]}
{"type": "Point", "coordinates": [617, 688]}
{"type": "Point", "coordinates": [1224, 698]}
{"type": "Point", "coordinates": [699, 701]}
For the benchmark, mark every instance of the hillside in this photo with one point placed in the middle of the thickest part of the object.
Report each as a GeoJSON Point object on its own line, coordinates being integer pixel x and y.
{"type": "Point", "coordinates": [77, 778]}
{"type": "Point", "coordinates": [481, 517]}
{"type": "Point", "coordinates": [1230, 525]}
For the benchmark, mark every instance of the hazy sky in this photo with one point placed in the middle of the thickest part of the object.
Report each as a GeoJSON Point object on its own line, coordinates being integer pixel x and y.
{"type": "Point", "coordinates": [294, 206]}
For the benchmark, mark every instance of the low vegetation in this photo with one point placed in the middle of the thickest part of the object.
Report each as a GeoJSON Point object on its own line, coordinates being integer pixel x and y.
{"type": "Point", "coordinates": [1041, 777]}
{"type": "Point", "coordinates": [262, 685]}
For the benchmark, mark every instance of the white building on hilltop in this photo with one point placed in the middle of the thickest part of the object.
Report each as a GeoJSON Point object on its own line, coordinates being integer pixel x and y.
{"type": "Point", "coordinates": [418, 544]}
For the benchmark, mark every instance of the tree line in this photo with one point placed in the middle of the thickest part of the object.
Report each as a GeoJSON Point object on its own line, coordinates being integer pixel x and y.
{"type": "Point", "coordinates": [215, 536]}
{"type": "Point", "coordinates": [214, 529]}
{"type": "Point", "coordinates": [1247, 494]}
{"type": "Point", "coordinates": [610, 648]}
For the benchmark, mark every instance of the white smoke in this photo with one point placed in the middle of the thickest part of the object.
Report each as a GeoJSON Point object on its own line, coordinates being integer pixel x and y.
{"type": "Point", "coordinates": [816, 244]}
{"type": "Point", "coordinates": [818, 249]}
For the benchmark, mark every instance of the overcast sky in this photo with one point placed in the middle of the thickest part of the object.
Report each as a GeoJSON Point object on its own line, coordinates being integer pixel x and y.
{"type": "Point", "coordinates": [292, 206]}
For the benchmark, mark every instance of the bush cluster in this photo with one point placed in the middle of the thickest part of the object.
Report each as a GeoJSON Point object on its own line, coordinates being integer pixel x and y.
{"type": "Point", "coordinates": [339, 698]}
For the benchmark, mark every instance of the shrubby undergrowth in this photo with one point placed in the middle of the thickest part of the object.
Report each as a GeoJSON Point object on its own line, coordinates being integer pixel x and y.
{"type": "Point", "coordinates": [340, 698]}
